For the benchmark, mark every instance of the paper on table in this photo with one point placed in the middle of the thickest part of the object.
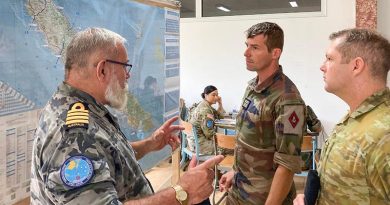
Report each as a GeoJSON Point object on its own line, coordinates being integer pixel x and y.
{"type": "Point", "coordinates": [226, 121]}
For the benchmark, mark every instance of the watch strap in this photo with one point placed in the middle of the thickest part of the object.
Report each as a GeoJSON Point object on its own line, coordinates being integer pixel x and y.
{"type": "Point", "coordinates": [179, 194]}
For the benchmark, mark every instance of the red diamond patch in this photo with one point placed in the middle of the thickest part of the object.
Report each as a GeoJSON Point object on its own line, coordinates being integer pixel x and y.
{"type": "Point", "coordinates": [293, 119]}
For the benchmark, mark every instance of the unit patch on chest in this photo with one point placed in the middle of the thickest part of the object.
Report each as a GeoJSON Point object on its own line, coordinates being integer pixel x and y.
{"type": "Point", "coordinates": [246, 104]}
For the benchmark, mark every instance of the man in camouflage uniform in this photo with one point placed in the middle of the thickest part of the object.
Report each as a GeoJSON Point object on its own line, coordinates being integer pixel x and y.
{"type": "Point", "coordinates": [202, 118]}
{"type": "Point", "coordinates": [80, 155]}
{"type": "Point", "coordinates": [270, 126]}
{"type": "Point", "coordinates": [354, 166]}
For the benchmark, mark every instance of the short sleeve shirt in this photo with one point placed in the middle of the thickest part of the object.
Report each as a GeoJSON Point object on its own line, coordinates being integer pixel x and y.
{"type": "Point", "coordinates": [80, 156]}
{"type": "Point", "coordinates": [355, 161]}
{"type": "Point", "coordinates": [270, 125]}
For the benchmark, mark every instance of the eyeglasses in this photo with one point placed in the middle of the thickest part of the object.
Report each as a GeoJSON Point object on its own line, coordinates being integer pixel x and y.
{"type": "Point", "coordinates": [126, 66]}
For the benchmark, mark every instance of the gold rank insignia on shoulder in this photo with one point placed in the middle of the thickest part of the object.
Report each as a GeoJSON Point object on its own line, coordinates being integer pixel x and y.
{"type": "Point", "coordinates": [77, 116]}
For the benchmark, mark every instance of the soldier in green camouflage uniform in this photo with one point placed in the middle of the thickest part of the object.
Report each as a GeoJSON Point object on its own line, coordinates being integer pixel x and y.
{"type": "Point", "coordinates": [203, 117]}
{"type": "Point", "coordinates": [355, 159]}
{"type": "Point", "coordinates": [270, 126]}
{"type": "Point", "coordinates": [354, 167]}
{"type": "Point", "coordinates": [80, 155]}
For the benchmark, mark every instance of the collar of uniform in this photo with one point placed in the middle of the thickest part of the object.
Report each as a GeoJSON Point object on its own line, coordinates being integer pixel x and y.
{"type": "Point", "coordinates": [93, 105]}
{"type": "Point", "coordinates": [206, 103]}
{"type": "Point", "coordinates": [379, 97]}
{"type": "Point", "coordinates": [202, 105]}
{"type": "Point", "coordinates": [267, 82]}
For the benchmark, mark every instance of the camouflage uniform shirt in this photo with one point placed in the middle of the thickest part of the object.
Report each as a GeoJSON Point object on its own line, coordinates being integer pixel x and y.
{"type": "Point", "coordinates": [269, 127]}
{"type": "Point", "coordinates": [76, 133]}
{"type": "Point", "coordinates": [355, 161]}
{"type": "Point", "coordinates": [202, 118]}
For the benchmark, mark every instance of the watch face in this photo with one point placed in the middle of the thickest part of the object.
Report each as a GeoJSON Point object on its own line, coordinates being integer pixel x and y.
{"type": "Point", "coordinates": [182, 195]}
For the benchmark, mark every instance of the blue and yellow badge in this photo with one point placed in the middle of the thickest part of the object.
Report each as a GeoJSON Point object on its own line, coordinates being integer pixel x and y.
{"type": "Point", "coordinates": [77, 116]}
{"type": "Point", "coordinates": [76, 171]}
{"type": "Point", "coordinates": [209, 123]}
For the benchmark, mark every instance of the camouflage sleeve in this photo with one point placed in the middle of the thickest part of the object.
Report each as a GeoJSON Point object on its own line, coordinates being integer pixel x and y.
{"type": "Point", "coordinates": [219, 115]}
{"type": "Point", "coordinates": [79, 171]}
{"type": "Point", "coordinates": [378, 169]}
{"type": "Point", "coordinates": [290, 124]}
{"type": "Point", "coordinates": [207, 125]}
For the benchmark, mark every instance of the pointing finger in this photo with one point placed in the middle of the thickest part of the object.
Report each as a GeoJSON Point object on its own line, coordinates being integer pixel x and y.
{"type": "Point", "coordinates": [209, 164]}
{"type": "Point", "coordinates": [193, 162]}
{"type": "Point", "coordinates": [170, 122]}
{"type": "Point", "coordinates": [176, 128]}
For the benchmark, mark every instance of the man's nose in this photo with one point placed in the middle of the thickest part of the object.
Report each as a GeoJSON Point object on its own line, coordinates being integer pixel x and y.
{"type": "Point", "coordinates": [322, 67]}
{"type": "Point", "coordinates": [246, 52]}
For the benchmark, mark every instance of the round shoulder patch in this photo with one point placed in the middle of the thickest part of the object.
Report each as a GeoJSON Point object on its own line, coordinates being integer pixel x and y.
{"type": "Point", "coordinates": [76, 171]}
{"type": "Point", "coordinates": [209, 123]}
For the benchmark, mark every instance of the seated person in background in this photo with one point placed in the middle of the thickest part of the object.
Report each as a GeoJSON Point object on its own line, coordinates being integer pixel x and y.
{"type": "Point", "coordinates": [202, 117]}
{"type": "Point", "coordinates": [313, 123]}
{"type": "Point", "coordinates": [314, 127]}
{"type": "Point", "coordinates": [183, 110]}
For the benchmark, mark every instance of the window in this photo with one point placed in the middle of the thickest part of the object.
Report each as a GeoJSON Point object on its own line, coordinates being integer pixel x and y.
{"type": "Point", "coordinates": [187, 9]}
{"type": "Point", "coordinates": [215, 8]}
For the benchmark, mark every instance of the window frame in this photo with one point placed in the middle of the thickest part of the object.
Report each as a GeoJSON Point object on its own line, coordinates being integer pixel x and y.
{"type": "Point", "coordinates": [198, 15]}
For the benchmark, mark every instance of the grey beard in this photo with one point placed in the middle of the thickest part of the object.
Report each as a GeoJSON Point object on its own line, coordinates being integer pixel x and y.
{"type": "Point", "coordinates": [116, 96]}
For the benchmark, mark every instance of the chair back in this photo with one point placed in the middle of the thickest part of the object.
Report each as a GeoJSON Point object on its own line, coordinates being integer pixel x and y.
{"type": "Point", "coordinates": [307, 144]}
{"type": "Point", "coordinates": [187, 127]}
{"type": "Point", "coordinates": [225, 141]}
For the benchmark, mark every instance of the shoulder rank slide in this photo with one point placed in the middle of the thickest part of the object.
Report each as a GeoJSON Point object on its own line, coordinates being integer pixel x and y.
{"type": "Point", "coordinates": [77, 116]}
{"type": "Point", "coordinates": [76, 171]}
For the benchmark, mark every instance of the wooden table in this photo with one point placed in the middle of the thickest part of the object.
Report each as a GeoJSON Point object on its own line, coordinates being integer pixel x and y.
{"type": "Point", "coordinates": [225, 124]}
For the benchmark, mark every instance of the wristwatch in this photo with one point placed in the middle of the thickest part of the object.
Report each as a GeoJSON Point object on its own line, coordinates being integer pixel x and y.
{"type": "Point", "coordinates": [181, 195]}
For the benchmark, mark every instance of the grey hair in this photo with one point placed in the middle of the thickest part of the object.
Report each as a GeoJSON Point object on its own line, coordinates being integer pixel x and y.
{"type": "Point", "coordinates": [88, 42]}
{"type": "Point", "coordinates": [273, 32]}
{"type": "Point", "coordinates": [373, 48]}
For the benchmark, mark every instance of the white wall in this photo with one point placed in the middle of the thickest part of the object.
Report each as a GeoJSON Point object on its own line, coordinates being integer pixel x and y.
{"type": "Point", "coordinates": [384, 17]}
{"type": "Point", "coordinates": [212, 53]}
{"type": "Point", "coordinates": [383, 22]}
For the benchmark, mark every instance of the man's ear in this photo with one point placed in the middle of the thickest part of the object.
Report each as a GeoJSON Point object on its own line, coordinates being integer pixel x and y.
{"type": "Point", "coordinates": [276, 52]}
{"type": "Point", "coordinates": [358, 65]}
{"type": "Point", "coordinates": [101, 71]}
